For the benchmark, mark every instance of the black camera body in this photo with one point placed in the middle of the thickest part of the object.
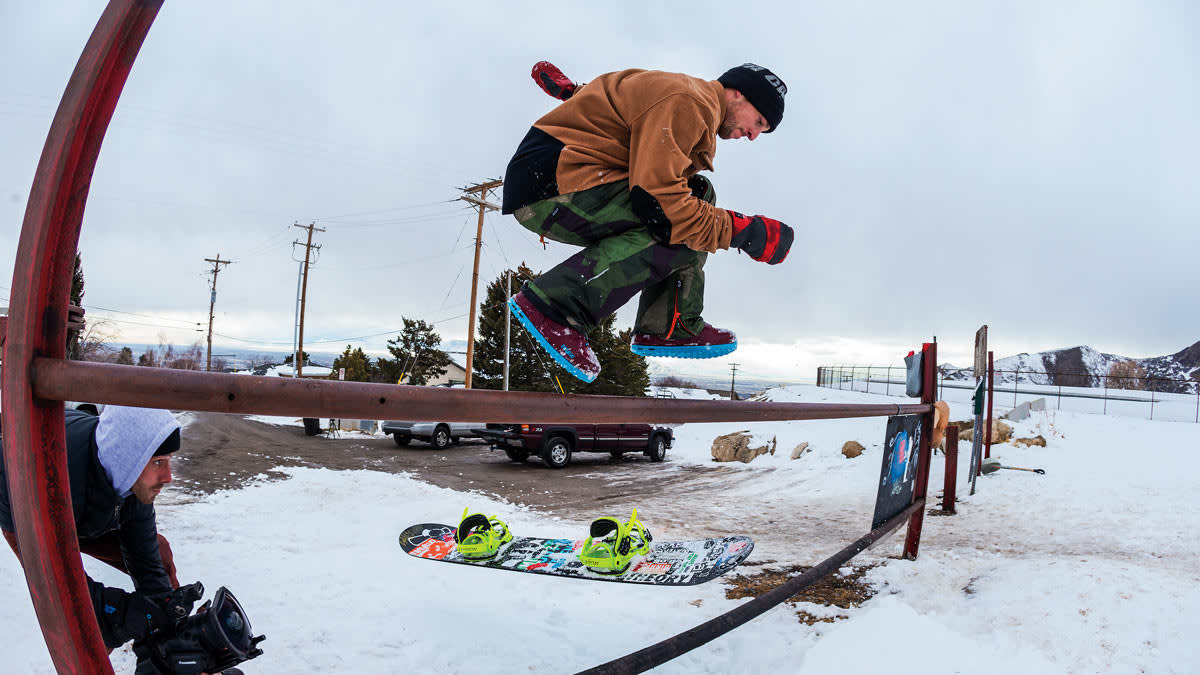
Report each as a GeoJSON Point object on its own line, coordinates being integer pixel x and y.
{"type": "Point", "coordinates": [218, 636]}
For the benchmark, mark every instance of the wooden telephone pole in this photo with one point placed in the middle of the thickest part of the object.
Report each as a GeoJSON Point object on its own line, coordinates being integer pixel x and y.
{"type": "Point", "coordinates": [212, 301]}
{"type": "Point", "coordinates": [298, 357]}
{"type": "Point", "coordinates": [477, 195]}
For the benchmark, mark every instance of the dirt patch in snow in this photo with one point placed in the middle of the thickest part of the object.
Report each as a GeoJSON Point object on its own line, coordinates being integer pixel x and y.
{"type": "Point", "coordinates": [844, 589]}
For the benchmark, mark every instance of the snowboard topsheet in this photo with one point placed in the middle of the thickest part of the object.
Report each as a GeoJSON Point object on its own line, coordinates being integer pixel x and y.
{"type": "Point", "coordinates": [670, 563]}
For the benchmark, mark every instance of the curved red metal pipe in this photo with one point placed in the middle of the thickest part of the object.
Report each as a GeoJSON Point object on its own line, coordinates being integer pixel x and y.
{"type": "Point", "coordinates": [219, 392]}
{"type": "Point", "coordinates": [34, 443]}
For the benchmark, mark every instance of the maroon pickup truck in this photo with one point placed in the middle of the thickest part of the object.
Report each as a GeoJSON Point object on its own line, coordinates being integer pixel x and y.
{"type": "Point", "coordinates": [555, 443]}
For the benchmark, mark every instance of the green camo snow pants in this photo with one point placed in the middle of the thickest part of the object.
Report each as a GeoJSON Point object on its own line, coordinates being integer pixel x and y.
{"type": "Point", "coordinates": [620, 257]}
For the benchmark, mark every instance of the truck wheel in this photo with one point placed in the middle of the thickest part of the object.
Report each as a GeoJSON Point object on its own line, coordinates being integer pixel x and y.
{"type": "Point", "coordinates": [557, 452]}
{"type": "Point", "coordinates": [401, 440]}
{"type": "Point", "coordinates": [440, 438]}
{"type": "Point", "coordinates": [658, 449]}
{"type": "Point", "coordinates": [516, 455]}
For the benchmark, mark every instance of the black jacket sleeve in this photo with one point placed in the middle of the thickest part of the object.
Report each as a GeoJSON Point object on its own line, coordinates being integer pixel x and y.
{"type": "Point", "coordinates": [139, 547]}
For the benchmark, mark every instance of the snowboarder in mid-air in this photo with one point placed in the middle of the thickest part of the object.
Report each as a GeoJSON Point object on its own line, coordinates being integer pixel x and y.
{"type": "Point", "coordinates": [615, 169]}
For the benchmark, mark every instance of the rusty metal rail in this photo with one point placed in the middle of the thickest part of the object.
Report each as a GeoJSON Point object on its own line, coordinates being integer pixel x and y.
{"type": "Point", "coordinates": [57, 379]}
{"type": "Point", "coordinates": [659, 653]}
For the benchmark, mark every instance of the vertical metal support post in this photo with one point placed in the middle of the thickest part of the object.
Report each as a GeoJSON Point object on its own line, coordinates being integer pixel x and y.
{"type": "Point", "coordinates": [991, 382]}
{"type": "Point", "coordinates": [1151, 380]}
{"type": "Point", "coordinates": [950, 484]}
{"type": "Point", "coordinates": [34, 437]}
{"type": "Point", "coordinates": [1105, 378]}
{"type": "Point", "coordinates": [507, 325]}
{"type": "Point", "coordinates": [912, 540]}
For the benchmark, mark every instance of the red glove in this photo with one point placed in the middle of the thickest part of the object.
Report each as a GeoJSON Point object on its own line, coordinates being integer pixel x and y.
{"type": "Point", "coordinates": [765, 239]}
{"type": "Point", "coordinates": [552, 81]}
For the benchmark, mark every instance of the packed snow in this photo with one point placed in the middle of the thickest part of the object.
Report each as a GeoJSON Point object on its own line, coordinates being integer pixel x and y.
{"type": "Point", "coordinates": [1093, 567]}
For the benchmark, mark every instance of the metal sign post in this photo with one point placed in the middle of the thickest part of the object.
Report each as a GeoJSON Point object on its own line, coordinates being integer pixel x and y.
{"type": "Point", "coordinates": [981, 361]}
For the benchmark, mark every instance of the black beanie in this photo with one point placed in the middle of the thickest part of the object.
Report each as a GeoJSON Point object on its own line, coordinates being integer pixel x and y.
{"type": "Point", "coordinates": [168, 446]}
{"type": "Point", "coordinates": [761, 87]}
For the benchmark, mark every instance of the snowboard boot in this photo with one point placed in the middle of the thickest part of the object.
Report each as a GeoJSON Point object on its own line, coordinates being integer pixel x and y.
{"type": "Point", "coordinates": [612, 544]}
{"type": "Point", "coordinates": [480, 537]}
{"type": "Point", "coordinates": [681, 343]}
{"type": "Point", "coordinates": [567, 346]}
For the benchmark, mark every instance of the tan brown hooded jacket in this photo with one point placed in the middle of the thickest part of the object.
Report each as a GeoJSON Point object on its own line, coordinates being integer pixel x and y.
{"type": "Point", "coordinates": [655, 129]}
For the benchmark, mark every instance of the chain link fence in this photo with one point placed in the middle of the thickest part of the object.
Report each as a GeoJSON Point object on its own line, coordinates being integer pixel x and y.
{"type": "Point", "coordinates": [1163, 398]}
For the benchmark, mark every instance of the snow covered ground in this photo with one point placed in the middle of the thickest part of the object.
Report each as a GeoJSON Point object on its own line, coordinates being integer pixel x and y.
{"type": "Point", "coordinates": [1090, 568]}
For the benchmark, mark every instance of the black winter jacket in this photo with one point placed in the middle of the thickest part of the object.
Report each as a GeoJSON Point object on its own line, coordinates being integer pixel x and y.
{"type": "Point", "coordinates": [99, 510]}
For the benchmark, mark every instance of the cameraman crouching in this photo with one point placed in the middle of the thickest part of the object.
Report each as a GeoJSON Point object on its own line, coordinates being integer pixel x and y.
{"type": "Point", "coordinates": [118, 462]}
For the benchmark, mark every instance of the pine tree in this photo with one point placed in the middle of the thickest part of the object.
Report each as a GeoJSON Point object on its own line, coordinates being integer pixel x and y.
{"type": "Point", "coordinates": [76, 300]}
{"type": "Point", "coordinates": [287, 360]}
{"type": "Point", "coordinates": [416, 356]}
{"type": "Point", "coordinates": [622, 372]}
{"type": "Point", "coordinates": [356, 363]}
{"type": "Point", "coordinates": [125, 357]}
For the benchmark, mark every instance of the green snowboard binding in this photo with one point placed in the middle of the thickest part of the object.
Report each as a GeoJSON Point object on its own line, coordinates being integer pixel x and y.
{"type": "Point", "coordinates": [612, 544]}
{"type": "Point", "coordinates": [480, 537]}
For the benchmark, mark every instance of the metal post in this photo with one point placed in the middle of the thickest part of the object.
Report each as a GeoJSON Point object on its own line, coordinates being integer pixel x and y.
{"type": "Point", "coordinates": [991, 379]}
{"type": "Point", "coordinates": [35, 438]}
{"type": "Point", "coordinates": [507, 328]}
{"type": "Point", "coordinates": [1105, 378]}
{"type": "Point", "coordinates": [868, 379]}
{"type": "Point", "coordinates": [912, 540]}
{"type": "Point", "coordinates": [1016, 383]}
{"type": "Point", "coordinates": [950, 484]}
{"type": "Point", "coordinates": [296, 320]}
{"type": "Point", "coordinates": [1151, 380]}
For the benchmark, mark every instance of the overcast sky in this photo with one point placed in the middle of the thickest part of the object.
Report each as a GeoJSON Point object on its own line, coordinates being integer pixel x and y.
{"type": "Point", "coordinates": [1028, 165]}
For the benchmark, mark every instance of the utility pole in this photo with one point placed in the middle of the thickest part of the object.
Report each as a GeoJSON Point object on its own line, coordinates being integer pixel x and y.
{"type": "Point", "coordinates": [732, 376]}
{"type": "Point", "coordinates": [507, 325]}
{"type": "Point", "coordinates": [212, 301]}
{"type": "Point", "coordinates": [477, 195]}
{"type": "Point", "coordinates": [298, 357]}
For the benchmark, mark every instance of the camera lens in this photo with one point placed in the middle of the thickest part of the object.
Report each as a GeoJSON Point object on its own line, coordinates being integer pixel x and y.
{"type": "Point", "coordinates": [233, 624]}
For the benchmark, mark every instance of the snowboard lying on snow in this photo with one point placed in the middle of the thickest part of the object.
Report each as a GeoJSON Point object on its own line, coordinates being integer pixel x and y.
{"type": "Point", "coordinates": [670, 563]}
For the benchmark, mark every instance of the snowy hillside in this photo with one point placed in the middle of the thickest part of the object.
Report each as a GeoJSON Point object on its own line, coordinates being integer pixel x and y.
{"type": "Point", "coordinates": [1083, 366]}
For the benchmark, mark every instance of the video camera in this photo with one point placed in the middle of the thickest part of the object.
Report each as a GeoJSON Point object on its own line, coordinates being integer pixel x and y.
{"type": "Point", "coordinates": [218, 636]}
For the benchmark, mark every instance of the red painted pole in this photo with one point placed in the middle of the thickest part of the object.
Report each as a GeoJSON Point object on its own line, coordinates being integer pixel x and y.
{"type": "Point", "coordinates": [34, 442]}
{"type": "Point", "coordinates": [55, 379]}
{"type": "Point", "coordinates": [912, 540]}
{"type": "Point", "coordinates": [950, 484]}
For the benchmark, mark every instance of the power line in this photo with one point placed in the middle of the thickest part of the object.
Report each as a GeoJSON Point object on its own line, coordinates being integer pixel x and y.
{"type": "Point", "coordinates": [144, 316]}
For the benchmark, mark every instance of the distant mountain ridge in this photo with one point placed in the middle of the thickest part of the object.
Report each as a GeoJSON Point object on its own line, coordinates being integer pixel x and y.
{"type": "Point", "coordinates": [1083, 366]}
